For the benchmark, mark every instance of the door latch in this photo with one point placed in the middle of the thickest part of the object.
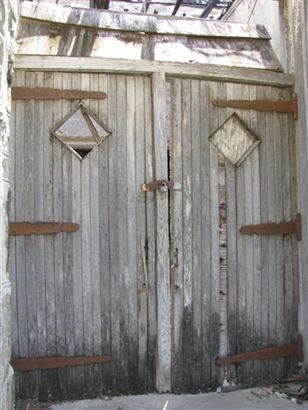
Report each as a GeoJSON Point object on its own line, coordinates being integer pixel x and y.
{"type": "Point", "coordinates": [163, 185]}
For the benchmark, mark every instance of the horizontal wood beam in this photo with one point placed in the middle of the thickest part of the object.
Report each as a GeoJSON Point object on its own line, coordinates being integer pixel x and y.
{"type": "Point", "coordinates": [267, 353]}
{"type": "Point", "coordinates": [105, 20]}
{"type": "Point", "coordinates": [121, 66]}
{"type": "Point", "coordinates": [273, 228]}
{"type": "Point", "coordinates": [41, 228]}
{"type": "Point", "coordinates": [40, 93]}
{"type": "Point", "coordinates": [279, 106]}
{"type": "Point", "coordinates": [32, 363]}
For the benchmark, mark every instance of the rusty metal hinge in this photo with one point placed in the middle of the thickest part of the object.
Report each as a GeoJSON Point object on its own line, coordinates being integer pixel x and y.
{"type": "Point", "coordinates": [273, 228]}
{"type": "Point", "coordinates": [294, 349]}
{"type": "Point", "coordinates": [41, 228]}
{"type": "Point", "coordinates": [280, 106]}
{"type": "Point", "coordinates": [27, 364]}
{"type": "Point", "coordinates": [162, 184]}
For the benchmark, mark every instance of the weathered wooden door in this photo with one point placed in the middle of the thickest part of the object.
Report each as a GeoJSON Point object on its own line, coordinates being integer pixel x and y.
{"type": "Point", "coordinates": [91, 292]}
{"type": "Point", "coordinates": [230, 293]}
{"type": "Point", "coordinates": [161, 281]}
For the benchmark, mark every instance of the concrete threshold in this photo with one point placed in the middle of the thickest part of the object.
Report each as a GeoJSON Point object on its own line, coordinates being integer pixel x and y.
{"type": "Point", "coordinates": [249, 399]}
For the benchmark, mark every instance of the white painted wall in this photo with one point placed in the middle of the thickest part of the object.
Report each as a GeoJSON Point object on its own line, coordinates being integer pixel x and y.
{"type": "Point", "coordinates": [266, 12]}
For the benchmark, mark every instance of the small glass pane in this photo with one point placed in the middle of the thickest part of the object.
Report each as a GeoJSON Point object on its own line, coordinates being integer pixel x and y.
{"type": "Point", "coordinates": [80, 131]}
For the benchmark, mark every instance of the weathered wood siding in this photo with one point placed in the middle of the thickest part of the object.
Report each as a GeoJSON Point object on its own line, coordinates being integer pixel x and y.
{"type": "Point", "coordinates": [262, 280]}
{"type": "Point", "coordinates": [79, 293]}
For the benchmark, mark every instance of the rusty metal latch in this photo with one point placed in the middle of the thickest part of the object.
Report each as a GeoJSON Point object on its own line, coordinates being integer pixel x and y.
{"type": "Point", "coordinates": [163, 185]}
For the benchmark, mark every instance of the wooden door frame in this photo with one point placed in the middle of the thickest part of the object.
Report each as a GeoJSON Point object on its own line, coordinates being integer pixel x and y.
{"type": "Point", "coordinates": [163, 360]}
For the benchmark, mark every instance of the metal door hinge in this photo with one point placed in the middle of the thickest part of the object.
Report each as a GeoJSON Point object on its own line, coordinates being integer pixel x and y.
{"type": "Point", "coordinates": [280, 106]}
{"type": "Point", "coordinates": [162, 184]}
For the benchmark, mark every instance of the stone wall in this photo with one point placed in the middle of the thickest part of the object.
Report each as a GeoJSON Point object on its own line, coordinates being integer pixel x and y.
{"type": "Point", "coordinates": [8, 15]}
{"type": "Point", "coordinates": [296, 19]}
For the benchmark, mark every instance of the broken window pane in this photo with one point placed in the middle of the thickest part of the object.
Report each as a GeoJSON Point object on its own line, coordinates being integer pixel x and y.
{"type": "Point", "coordinates": [81, 131]}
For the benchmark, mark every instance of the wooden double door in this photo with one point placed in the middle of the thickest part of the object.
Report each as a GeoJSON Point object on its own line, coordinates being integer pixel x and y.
{"type": "Point", "coordinates": [161, 281]}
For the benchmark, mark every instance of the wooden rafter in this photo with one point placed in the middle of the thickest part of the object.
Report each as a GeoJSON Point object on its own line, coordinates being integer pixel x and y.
{"type": "Point", "coordinates": [177, 6]}
{"type": "Point", "coordinates": [145, 6]}
{"type": "Point", "coordinates": [209, 7]}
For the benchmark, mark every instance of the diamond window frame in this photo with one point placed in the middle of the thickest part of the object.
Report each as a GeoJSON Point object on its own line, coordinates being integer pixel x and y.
{"type": "Point", "coordinates": [87, 114]}
{"type": "Point", "coordinates": [249, 133]}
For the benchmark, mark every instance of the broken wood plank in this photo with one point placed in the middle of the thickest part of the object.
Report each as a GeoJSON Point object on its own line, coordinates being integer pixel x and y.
{"type": "Point", "coordinates": [273, 228]}
{"type": "Point", "coordinates": [262, 354]}
{"type": "Point", "coordinates": [47, 93]}
{"type": "Point", "coordinates": [279, 106]}
{"type": "Point", "coordinates": [41, 228]}
{"type": "Point", "coordinates": [55, 362]}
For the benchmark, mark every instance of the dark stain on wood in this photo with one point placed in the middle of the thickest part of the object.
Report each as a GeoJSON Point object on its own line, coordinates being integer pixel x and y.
{"type": "Point", "coordinates": [41, 228]}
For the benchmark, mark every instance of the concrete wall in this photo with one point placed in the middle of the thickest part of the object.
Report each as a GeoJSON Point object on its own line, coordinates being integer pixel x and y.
{"type": "Point", "coordinates": [7, 24]}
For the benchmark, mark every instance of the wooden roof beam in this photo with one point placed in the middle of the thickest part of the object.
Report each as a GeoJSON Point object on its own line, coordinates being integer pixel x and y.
{"type": "Point", "coordinates": [139, 22]}
{"type": "Point", "coordinates": [176, 7]}
{"type": "Point", "coordinates": [208, 8]}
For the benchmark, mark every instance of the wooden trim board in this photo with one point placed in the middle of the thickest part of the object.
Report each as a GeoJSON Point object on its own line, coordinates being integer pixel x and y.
{"type": "Point", "coordinates": [202, 71]}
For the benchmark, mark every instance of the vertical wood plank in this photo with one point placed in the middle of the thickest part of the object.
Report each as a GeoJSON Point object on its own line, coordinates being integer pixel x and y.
{"type": "Point", "coordinates": [21, 272]}
{"type": "Point", "coordinates": [187, 323]}
{"type": "Point", "coordinates": [257, 263]}
{"type": "Point", "coordinates": [151, 238]}
{"type": "Point", "coordinates": [162, 246]}
{"type": "Point", "coordinates": [104, 260]}
{"type": "Point", "coordinates": [113, 231]}
{"type": "Point", "coordinates": [279, 171]}
{"type": "Point", "coordinates": [58, 240]}
{"type": "Point", "coordinates": [67, 252]}
{"type": "Point", "coordinates": [86, 262]}
{"type": "Point", "coordinates": [177, 234]}
{"type": "Point", "coordinates": [30, 255]}
{"type": "Point", "coordinates": [132, 272]}
{"type": "Point", "coordinates": [205, 116]}
{"type": "Point", "coordinates": [214, 235]}
{"type": "Point", "coordinates": [95, 247]}
{"type": "Point", "coordinates": [272, 249]}
{"type": "Point", "coordinates": [51, 376]}
{"type": "Point", "coordinates": [123, 229]}
{"type": "Point", "coordinates": [141, 244]}
{"type": "Point", "coordinates": [196, 235]}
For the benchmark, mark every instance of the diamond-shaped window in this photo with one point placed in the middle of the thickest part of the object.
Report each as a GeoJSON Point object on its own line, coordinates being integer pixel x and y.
{"type": "Point", "coordinates": [234, 140]}
{"type": "Point", "coordinates": [81, 131]}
